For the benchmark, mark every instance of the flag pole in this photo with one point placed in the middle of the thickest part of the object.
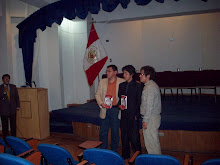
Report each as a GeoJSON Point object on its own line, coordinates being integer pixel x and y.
{"type": "Point", "coordinates": [93, 21]}
{"type": "Point", "coordinates": [98, 78]}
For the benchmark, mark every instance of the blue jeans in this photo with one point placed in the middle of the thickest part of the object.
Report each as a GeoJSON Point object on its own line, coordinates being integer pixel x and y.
{"type": "Point", "coordinates": [111, 121]}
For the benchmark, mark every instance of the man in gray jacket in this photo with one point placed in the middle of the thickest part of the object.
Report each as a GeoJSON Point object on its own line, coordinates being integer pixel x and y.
{"type": "Point", "coordinates": [150, 110]}
{"type": "Point", "coordinates": [9, 104]}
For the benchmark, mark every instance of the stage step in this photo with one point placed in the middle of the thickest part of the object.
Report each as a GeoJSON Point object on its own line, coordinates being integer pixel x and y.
{"type": "Point", "coordinates": [60, 127]}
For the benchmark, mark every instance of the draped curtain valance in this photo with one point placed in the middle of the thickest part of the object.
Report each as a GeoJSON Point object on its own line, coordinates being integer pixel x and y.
{"type": "Point", "coordinates": [55, 12]}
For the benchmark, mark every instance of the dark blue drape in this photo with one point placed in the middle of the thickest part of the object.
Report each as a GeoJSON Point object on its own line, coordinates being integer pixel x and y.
{"type": "Point", "coordinates": [55, 12]}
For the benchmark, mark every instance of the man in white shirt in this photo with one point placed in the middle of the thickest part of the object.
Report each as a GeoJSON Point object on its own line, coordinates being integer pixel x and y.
{"type": "Point", "coordinates": [150, 110]}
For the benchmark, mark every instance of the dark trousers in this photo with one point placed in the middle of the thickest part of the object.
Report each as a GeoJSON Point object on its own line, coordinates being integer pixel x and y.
{"type": "Point", "coordinates": [130, 134]}
{"type": "Point", "coordinates": [111, 121]}
{"type": "Point", "coordinates": [5, 131]}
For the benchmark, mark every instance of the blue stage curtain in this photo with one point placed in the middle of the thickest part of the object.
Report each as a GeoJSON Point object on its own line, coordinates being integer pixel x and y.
{"type": "Point", "coordinates": [55, 12]}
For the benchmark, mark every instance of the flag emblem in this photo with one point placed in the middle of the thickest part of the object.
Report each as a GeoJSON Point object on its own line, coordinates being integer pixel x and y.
{"type": "Point", "coordinates": [93, 54]}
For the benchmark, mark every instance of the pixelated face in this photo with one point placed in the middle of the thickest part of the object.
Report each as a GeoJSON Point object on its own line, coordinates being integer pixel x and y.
{"type": "Point", "coordinates": [111, 73]}
{"type": "Point", "coordinates": [143, 77]}
{"type": "Point", "coordinates": [6, 80]}
{"type": "Point", "coordinates": [127, 76]}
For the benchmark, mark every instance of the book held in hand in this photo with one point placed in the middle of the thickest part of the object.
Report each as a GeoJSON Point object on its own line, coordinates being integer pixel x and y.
{"type": "Point", "coordinates": [124, 101]}
{"type": "Point", "coordinates": [108, 101]}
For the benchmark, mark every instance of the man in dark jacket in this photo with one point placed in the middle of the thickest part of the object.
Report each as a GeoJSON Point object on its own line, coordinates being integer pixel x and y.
{"type": "Point", "coordinates": [9, 104]}
{"type": "Point", "coordinates": [129, 90]}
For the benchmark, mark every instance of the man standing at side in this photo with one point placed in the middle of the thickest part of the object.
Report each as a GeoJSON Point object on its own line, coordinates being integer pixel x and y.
{"type": "Point", "coordinates": [130, 114]}
{"type": "Point", "coordinates": [9, 104]}
{"type": "Point", "coordinates": [110, 117]}
{"type": "Point", "coordinates": [150, 110]}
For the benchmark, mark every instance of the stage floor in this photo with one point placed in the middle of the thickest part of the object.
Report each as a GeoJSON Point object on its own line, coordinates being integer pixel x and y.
{"type": "Point", "coordinates": [184, 113]}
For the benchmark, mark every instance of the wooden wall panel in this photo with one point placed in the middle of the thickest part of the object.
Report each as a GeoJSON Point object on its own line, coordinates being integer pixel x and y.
{"type": "Point", "coordinates": [43, 112]}
{"type": "Point", "coordinates": [170, 140]}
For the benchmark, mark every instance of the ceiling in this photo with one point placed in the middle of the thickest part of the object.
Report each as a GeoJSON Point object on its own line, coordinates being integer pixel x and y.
{"type": "Point", "coordinates": [39, 3]}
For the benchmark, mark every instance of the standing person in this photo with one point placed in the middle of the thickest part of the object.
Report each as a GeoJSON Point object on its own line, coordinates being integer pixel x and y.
{"type": "Point", "coordinates": [130, 116]}
{"type": "Point", "coordinates": [110, 117]}
{"type": "Point", "coordinates": [150, 110]}
{"type": "Point", "coordinates": [9, 104]}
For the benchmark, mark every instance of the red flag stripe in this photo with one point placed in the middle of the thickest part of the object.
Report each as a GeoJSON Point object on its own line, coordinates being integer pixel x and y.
{"type": "Point", "coordinates": [94, 70]}
{"type": "Point", "coordinates": [93, 36]}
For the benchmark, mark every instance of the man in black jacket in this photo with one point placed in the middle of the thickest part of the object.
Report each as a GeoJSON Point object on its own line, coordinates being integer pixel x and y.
{"type": "Point", "coordinates": [130, 90]}
{"type": "Point", "coordinates": [9, 104]}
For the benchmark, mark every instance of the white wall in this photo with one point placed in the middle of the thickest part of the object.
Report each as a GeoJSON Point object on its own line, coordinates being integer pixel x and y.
{"type": "Point", "coordinates": [20, 9]}
{"type": "Point", "coordinates": [5, 44]}
{"type": "Point", "coordinates": [210, 40]}
{"type": "Point", "coordinates": [11, 14]}
{"type": "Point", "coordinates": [155, 9]}
{"type": "Point", "coordinates": [3, 55]}
{"type": "Point", "coordinates": [0, 8]}
{"type": "Point", "coordinates": [185, 42]}
{"type": "Point", "coordinates": [165, 43]}
{"type": "Point", "coordinates": [171, 43]}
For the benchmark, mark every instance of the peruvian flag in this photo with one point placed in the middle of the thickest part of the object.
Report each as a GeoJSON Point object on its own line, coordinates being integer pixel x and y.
{"type": "Point", "coordinates": [95, 56]}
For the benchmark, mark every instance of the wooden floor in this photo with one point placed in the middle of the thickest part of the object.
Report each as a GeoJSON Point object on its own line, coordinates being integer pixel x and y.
{"type": "Point", "coordinates": [71, 142]}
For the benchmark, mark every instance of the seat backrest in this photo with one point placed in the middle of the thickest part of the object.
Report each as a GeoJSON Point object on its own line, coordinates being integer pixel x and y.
{"type": "Point", "coordinates": [6, 150]}
{"type": "Point", "coordinates": [156, 160]}
{"type": "Point", "coordinates": [11, 160]}
{"type": "Point", "coordinates": [212, 162]}
{"type": "Point", "coordinates": [18, 145]}
{"type": "Point", "coordinates": [102, 156]}
{"type": "Point", "coordinates": [55, 155]}
{"type": "Point", "coordinates": [3, 143]}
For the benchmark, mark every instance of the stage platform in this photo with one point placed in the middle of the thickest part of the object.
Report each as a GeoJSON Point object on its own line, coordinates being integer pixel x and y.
{"type": "Point", "coordinates": [187, 124]}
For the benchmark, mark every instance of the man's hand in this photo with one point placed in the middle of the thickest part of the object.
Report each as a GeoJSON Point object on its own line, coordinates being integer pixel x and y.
{"type": "Point", "coordinates": [144, 125]}
{"type": "Point", "coordinates": [103, 105]}
{"type": "Point", "coordinates": [121, 108]}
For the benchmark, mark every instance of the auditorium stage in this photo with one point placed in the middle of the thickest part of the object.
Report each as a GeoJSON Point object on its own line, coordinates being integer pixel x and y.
{"type": "Point", "coordinates": [187, 124]}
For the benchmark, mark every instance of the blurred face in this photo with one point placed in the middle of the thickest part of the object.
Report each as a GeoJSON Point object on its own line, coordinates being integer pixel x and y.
{"type": "Point", "coordinates": [6, 80]}
{"type": "Point", "coordinates": [127, 76]}
{"type": "Point", "coordinates": [111, 73]}
{"type": "Point", "coordinates": [143, 78]}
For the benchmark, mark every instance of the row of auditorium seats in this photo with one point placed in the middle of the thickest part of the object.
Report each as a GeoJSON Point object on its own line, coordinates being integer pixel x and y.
{"type": "Point", "coordinates": [19, 148]}
{"type": "Point", "coordinates": [56, 155]}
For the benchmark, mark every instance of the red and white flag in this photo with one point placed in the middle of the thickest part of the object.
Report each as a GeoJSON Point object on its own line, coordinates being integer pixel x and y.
{"type": "Point", "coordinates": [95, 56]}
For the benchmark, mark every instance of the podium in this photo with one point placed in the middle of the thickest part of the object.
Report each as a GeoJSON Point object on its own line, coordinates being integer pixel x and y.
{"type": "Point", "coordinates": [33, 116]}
